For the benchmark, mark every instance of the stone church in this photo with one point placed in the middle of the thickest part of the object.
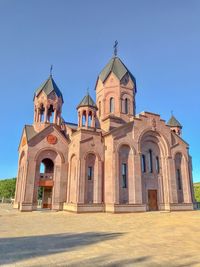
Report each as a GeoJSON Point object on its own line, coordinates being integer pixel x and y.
{"type": "Point", "coordinates": [112, 160]}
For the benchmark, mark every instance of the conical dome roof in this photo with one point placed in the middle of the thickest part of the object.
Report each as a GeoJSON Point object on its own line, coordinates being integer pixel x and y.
{"type": "Point", "coordinates": [116, 66]}
{"type": "Point", "coordinates": [87, 101]}
{"type": "Point", "coordinates": [49, 86]}
{"type": "Point", "coordinates": [173, 122]}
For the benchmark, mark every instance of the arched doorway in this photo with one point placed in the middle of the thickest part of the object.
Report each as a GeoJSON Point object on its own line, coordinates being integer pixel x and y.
{"type": "Point", "coordinates": [151, 168]}
{"type": "Point", "coordinates": [45, 187]}
{"type": "Point", "coordinates": [47, 175]}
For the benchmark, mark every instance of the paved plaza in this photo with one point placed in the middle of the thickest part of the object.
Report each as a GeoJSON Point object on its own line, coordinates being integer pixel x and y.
{"type": "Point", "coordinates": [47, 238]}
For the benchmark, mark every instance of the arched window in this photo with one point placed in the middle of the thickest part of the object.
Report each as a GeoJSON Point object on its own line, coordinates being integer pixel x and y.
{"type": "Point", "coordinates": [50, 114]}
{"type": "Point", "coordinates": [46, 168]}
{"type": "Point", "coordinates": [126, 106]}
{"type": "Point", "coordinates": [90, 172]}
{"type": "Point", "coordinates": [143, 163]}
{"type": "Point", "coordinates": [150, 161]}
{"type": "Point", "coordinates": [42, 168]}
{"type": "Point", "coordinates": [41, 117]}
{"type": "Point", "coordinates": [124, 175]}
{"type": "Point", "coordinates": [112, 105]}
{"type": "Point", "coordinates": [178, 173]}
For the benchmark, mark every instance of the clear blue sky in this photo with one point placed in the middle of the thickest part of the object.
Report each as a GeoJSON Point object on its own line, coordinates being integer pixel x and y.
{"type": "Point", "coordinates": [159, 41]}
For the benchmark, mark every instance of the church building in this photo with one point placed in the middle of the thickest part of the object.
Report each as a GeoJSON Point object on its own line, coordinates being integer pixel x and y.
{"type": "Point", "coordinates": [112, 160]}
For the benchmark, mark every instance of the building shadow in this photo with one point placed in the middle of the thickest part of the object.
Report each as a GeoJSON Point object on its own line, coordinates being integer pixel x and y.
{"type": "Point", "coordinates": [105, 261]}
{"type": "Point", "coordinates": [15, 249]}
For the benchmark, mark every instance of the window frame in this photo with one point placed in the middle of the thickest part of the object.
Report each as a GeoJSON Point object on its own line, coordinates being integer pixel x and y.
{"type": "Point", "coordinates": [90, 173]}
{"type": "Point", "coordinates": [124, 175]}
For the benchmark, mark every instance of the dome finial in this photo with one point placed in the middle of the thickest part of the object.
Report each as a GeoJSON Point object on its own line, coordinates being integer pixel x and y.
{"type": "Point", "coordinates": [115, 48]}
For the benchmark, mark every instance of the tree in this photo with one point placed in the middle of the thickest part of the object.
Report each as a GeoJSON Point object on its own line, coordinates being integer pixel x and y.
{"type": "Point", "coordinates": [7, 188]}
{"type": "Point", "coordinates": [197, 191]}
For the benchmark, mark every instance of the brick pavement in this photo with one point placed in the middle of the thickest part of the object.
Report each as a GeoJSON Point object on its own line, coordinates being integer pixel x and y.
{"type": "Point", "coordinates": [45, 238]}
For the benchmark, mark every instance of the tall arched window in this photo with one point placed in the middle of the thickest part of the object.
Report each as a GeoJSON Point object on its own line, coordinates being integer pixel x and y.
{"type": "Point", "coordinates": [143, 163]}
{"type": "Point", "coordinates": [178, 174]}
{"type": "Point", "coordinates": [112, 105]}
{"type": "Point", "coordinates": [126, 106]}
{"type": "Point", "coordinates": [150, 161]}
{"type": "Point", "coordinates": [124, 175]}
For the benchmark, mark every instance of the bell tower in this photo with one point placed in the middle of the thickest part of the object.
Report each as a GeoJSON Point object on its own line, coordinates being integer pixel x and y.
{"type": "Point", "coordinates": [175, 125]}
{"type": "Point", "coordinates": [48, 103]}
{"type": "Point", "coordinates": [87, 113]}
{"type": "Point", "coordinates": [115, 94]}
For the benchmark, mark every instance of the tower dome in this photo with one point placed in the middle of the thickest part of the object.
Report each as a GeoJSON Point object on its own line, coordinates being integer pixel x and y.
{"type": "Point", "coordinates": [116, 66]}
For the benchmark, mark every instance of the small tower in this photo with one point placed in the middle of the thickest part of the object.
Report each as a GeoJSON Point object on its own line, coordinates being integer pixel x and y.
{"type": "Point", "coordinates": [115, 94]}
{"type": "Point", "coordinates": [87, 112]}
{"type": "Point", "coordinates": [48, 103]}
{"type": "Point", "coordinates": [175, 125]}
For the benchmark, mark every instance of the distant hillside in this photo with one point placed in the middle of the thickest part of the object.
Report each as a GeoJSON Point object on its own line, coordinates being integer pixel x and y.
{"type": "Point", "coordinates": [197, 191]}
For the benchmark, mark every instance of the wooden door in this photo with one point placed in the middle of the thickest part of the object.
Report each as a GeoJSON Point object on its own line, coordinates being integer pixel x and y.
{"type": "Point", "coordinates": [152, 200]}
{"type": "Point", "coordinates": [47, 198]}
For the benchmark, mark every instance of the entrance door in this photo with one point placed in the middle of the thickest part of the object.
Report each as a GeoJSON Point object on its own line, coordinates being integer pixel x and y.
{"type": "Point", "coordinates": [152, 200]}
{"type": "Point", "coordinates": [47, 198]}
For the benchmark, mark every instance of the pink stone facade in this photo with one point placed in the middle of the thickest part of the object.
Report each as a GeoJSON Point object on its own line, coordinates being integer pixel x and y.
{"type": "Point", "coordinates": [112, 160]}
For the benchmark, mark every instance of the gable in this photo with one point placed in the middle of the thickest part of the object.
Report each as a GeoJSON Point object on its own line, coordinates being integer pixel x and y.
{"type": "Point", "coordinates": [50, 136]}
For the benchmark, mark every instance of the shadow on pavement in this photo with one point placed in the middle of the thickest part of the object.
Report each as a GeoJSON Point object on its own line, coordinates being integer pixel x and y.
{"type": "Point", "coordinates": [16, 249]}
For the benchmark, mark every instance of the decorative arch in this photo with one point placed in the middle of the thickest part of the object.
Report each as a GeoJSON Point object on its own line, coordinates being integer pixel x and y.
{"type": "Point", "coordinates": [126, 144]}
{"type": "Point", "coordinates": [92, 152]}
{"type": "Point", "coordinates": [163, 142]}
{"type": "Point", "coordinates": [184, 155]}
{"type": "Point", "coordinates": [50, 149]}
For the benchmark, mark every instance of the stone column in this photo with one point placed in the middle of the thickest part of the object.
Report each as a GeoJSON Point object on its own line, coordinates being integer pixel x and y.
{"type": "Point", "coordinates": [37, 116]}
{"type": "Point", "coordinates": [45, 113]}
{"type": "Point", "coordinates": [78, 119]}
{"type": "Point", "coordinates": [78, 182]}
{"type": "Point", "coordinates": [56, 190]}
{"type": "Point", "coordinates": [131, 178]}
{"type": "Point", "coordinates": [187, 195]}
{"type": "Point", "coordinates": [55, 116]}
{"type": "Point", "coordinates": [165, 180]}
{"type": "Point", "coordinates": [98, 182]}
{"type": "Point", "coordinates": [59, 119]}
{"type": "Point", "coordinates": [93, 120]}
{"type": "Point", "coordinates": [138, 179]}
{"type": "Point", "coordinates": [81, 119]}
{"type": "Point", "coordinates": [115, 176]}
{"type": "Point", "coordinates": [172, 180]}
{"type": "Point", "coordinates": [86, 120]}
